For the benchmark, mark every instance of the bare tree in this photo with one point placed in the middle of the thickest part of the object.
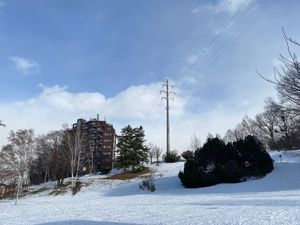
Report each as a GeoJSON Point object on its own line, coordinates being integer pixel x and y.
{"type": "Point", "coordinates": [195, 142]}
{"type": "Point", "coordinates": [289, 130]}
{"type": "Point", "coordinates": [75, 143]}
{"type": "Point", "coordinates": [2, 124]}
{"type": "Point", "coordinates": [268, 121]}
{"type": "Point", "coordinates": [44, 156]}
{"type": "Point", "coordinates": [50, 163]}
{"type": "Point", "coordinates": [247, 127]}
{"type": "Point", "coordinates": [286, 80]}
{"type": "Point", "coordinates": [151, 152]}
{"type": "Point", "coordinates": [157, 153]}
{"type": "Point", "coordinates": [8, 166]}
{"type": "Point", "coordinates": [287, 77]}
{"type": "Point", "coordinates": [275, 127]}
{"type": "Point", "coordinates": [244, 128]}
{"type": "Point", "coordinates": [58, 163]}
{"type": "Point", "coordinates": [230, 136]}
{"type": "Point", "coordinates": [209, 136]}
{"type": "Point", "coordinates": [154, 151]}
{"type": "Point", "coordinates": [22, 150]}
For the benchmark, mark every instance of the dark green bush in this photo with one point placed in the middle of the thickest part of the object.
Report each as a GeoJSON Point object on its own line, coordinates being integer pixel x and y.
{"type": "Point", "coordinates": [187, 154]}
{"type": "Point", "coordinates": [217, 162]}
{"type": "Point", "coordinates": [172, 157]}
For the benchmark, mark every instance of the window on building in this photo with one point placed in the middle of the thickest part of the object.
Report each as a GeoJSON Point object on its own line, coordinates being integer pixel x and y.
{"type": "Point", "coordinates": [106, 153]}
{"type": "Point", "coordinates": [106, 146]}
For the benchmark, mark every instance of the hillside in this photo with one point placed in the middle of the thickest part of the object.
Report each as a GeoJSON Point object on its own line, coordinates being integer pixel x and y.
{"type": "Point", "coordinates": [274, 199]}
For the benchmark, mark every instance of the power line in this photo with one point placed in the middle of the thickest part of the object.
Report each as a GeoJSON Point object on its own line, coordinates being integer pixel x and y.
{"type": "Point", "coordinates": [230, 41]}
{"type": "Point", "coordinates": [225, 25]}
{"type": "Point", "coordinates": [205, 31]}
{"type": "Point", "coordinates": [214, 22]}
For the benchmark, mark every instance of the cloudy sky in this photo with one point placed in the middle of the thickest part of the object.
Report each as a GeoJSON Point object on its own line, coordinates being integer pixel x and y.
{"type": "Point", "coordinates": [61, 60]}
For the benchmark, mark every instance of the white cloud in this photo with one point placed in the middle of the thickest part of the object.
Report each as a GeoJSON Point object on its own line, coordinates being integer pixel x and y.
{"type": "Point", "coordinates": [55, 106]}
{"type": "Point", "coordinates": [196, 10]}
{"type": "Point", "coordinates": [2, 4]}
{"type": "Point", "coordinates": [192, 58]}
{"type": "Point", "coordinates": [24, 65]}
{"type": "Point", "coordinates": [232, 6]}
{"type": "Point", "coordinates": [228, 6]}
{"type": "Point", "coordinates": [137, 105]}
{"type": "Point", "coordinates": [190, 80]}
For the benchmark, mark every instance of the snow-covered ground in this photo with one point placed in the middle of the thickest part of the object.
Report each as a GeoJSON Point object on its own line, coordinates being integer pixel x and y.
{"type": "Point", "coordinates": [274, 199]}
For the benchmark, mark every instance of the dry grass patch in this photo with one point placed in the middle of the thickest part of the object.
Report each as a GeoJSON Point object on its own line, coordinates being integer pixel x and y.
{"type": "Point", "coordinates": [58, 191]}
{"type": "Point", "coordinates": [37, 191]}
{"type": "Point", "coordinates": [78, 187]}
{"type": "Point", "coordinates": [129, 175]}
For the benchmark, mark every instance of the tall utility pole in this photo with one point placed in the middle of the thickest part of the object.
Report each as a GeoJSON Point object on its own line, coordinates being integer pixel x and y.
{"type": "Point", "coordinates": [166, 90]}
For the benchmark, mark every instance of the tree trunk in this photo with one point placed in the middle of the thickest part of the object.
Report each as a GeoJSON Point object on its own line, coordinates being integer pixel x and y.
{"type": "Point", "coordinates": [20, 181]}
{"type": "Point", "coordinates": [46, 174]}
{"type": "Point", "coordinates": [77, 167]}
{"type": "Point", "coordinates": [72, 176]}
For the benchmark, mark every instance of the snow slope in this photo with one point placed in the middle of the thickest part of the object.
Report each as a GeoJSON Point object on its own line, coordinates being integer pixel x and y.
{"type": "Point", "coordinates": [274, 199]}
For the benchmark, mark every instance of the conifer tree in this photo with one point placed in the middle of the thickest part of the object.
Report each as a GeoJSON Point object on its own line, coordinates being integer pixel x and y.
{"type": "Point", "coordinates": [133, 151]}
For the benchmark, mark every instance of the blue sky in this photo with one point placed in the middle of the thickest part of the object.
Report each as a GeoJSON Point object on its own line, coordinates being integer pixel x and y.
{"type": "Point", "coordinates": [100, 46]}
{"type": "Point", "coordinates": [58, 58]}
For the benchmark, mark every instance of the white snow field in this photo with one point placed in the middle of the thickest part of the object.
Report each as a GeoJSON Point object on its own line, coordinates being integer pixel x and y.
{"type": "Point", "coordinates": [274, 199]}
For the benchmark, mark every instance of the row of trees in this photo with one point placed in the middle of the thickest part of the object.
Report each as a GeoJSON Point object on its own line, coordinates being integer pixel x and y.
{"type": "Point", "coordinates": [53, 156]}
{"type": "Point", "coordinates": [28, 159]}
{"type": "Point", "coordinates": [60, 154]}
{"type": "Point", "coordinates": [278, 126]}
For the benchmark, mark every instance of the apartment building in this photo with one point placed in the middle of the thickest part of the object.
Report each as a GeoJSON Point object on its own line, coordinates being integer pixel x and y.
{"type": "Point", "coordinates": [99, 144]}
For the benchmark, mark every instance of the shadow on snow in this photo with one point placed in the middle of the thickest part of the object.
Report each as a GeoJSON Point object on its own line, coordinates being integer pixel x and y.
{"type": "Point", "coordinates": [284, 177]}
{"type": "Point", "coordinates": [83, 222]}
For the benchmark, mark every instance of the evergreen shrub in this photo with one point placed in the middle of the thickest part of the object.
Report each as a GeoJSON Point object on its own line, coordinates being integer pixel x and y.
{"type": "Point", "coordinates": [217, 162]}
{"type": "Point", "coordinates": [172, 157]}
